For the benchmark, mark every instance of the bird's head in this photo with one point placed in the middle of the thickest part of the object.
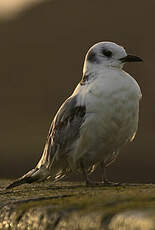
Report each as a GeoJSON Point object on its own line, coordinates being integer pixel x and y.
{"type": "Point", "coordinates": [107, 54]}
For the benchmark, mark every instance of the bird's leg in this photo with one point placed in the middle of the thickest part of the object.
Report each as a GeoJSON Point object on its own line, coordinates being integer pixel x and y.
{"type": "Point", "coordinates": [88, 181]}
{"type": "Point", "coordinates": [105, 181]}
{"type": "Point", "coordinates": [104, 174]}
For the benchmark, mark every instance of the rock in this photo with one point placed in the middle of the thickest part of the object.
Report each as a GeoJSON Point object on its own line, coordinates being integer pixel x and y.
{"type": "Point", "coordinates": [72, 206]}
{"type": "Point", "coordinates": [133, 220]}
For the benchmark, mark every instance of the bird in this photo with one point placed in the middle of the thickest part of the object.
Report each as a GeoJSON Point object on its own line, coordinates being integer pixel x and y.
{"type": "Point", "coordinates": [95, 122]}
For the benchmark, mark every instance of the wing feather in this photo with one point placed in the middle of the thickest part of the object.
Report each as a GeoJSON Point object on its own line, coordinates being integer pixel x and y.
{"type": "Point", "coordinates": [64, 130]}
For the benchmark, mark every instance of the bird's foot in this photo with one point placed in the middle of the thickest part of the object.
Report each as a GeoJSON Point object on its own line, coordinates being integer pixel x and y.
{"type": "Point", "coordinates": [91, 183]}
{"type": "Point", "coordinates": [103, 183]}
{"type": "Point", "coordinates": [110, 183]}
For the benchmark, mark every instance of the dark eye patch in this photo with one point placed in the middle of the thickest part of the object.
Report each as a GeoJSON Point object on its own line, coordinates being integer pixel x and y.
{"type": "Point", "coordinates": [91, 56]}
{"type": "Point", "coordinates": [107, 53]}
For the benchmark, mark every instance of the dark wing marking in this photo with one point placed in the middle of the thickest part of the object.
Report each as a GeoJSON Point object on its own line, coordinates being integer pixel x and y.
{"type": "Point", "coordinates": [66, 125]}
{"type": "Point", "coordinates": [64, 130]}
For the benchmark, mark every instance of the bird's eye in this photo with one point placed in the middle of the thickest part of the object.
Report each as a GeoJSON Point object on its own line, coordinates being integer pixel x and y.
{"type": "Point", "coordinates": [107, 53]}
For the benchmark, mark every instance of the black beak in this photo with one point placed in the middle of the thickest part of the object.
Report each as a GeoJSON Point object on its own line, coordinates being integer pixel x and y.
{"type": "Point", "coordinates": [130, 58]}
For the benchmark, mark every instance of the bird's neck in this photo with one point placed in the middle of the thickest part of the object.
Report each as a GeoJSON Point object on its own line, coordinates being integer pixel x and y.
{"type": "Point", "coordinates": [101, 67]}
{"type": "Point", "coordinates": [90, 74]}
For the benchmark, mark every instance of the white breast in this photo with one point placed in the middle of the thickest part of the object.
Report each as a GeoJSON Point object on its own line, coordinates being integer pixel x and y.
{"type": "Point", "coordinates": [112, 107]}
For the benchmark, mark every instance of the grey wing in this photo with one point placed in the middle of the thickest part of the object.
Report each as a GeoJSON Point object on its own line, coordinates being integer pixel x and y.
{"type": "Point", "coordinates": [63, 132]}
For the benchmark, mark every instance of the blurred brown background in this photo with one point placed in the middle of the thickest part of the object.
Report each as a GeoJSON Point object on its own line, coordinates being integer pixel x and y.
{"type": "Point", "coordinates": [41, 56]}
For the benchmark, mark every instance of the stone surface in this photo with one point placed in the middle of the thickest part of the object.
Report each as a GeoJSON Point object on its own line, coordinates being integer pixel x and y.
{"type": "Point", "coordinates": [73, 206]}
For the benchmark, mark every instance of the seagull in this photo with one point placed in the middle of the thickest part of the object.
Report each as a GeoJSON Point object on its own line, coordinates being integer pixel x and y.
{"type": "Point", "coordinates": [95, 122]}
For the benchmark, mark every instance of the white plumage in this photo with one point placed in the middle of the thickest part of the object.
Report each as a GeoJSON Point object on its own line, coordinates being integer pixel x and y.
{"type": "Point", "coordinates": [96, 121]}
{"type": "Point", "coordinates": [112, 107]}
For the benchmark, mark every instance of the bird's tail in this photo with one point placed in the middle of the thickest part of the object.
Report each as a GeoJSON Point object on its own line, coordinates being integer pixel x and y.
{"type": "Point", "coordinates": [36, 174]}
{"type": "Point", "coordinates": [40, 173]}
